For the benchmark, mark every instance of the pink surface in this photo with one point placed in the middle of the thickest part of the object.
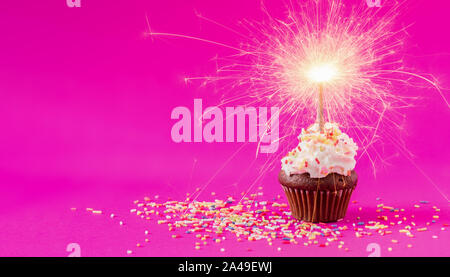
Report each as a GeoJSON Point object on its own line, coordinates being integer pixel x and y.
{"type": "Point", "coordinates": [85, 109]}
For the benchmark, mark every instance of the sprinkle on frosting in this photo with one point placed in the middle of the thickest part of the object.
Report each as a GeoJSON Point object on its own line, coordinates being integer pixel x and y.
{"type": "Point", "coordinates": [320, 153]}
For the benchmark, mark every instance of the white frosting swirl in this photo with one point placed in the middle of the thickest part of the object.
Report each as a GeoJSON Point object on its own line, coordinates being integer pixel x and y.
{"type": "Point", "coordinates": [321, 153]}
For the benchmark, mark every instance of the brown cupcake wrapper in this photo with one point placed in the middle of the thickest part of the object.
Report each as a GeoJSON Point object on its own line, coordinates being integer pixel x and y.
{"type": "Point", "coordinates": [318, 206]}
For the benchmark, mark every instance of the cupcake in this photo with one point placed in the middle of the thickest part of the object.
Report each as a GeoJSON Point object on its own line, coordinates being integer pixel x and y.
{"type": "Point", "coordinates": [318, 176]}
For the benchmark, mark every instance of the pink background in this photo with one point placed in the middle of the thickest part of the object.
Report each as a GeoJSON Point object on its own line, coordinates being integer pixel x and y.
{"type": "Point", "coordinates": [85, 103]}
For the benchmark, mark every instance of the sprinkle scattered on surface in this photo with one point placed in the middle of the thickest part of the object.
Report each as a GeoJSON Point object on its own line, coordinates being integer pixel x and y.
{"type": "Point", "coordinates": [257, 219]}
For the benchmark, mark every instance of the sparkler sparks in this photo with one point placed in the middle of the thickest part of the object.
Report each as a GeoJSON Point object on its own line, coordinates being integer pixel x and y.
{"type": "Point", "coordinates": [354, 53]}
{"type": "Point", "coordinates": [322, 73]}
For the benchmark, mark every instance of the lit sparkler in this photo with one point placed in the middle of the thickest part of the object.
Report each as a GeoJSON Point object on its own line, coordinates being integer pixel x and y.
{"type": "Point", "coordinates": [321, 74]}
{"type": "Point", "coordinates": [346, 61]}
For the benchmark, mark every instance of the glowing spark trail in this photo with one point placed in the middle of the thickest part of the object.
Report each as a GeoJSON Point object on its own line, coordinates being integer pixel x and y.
{"type": "Point", "coordinates": [350, 54]}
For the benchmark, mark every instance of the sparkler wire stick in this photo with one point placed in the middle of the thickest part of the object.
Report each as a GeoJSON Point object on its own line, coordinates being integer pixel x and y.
{"type": "Point", "coordinates": [319, 118]}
